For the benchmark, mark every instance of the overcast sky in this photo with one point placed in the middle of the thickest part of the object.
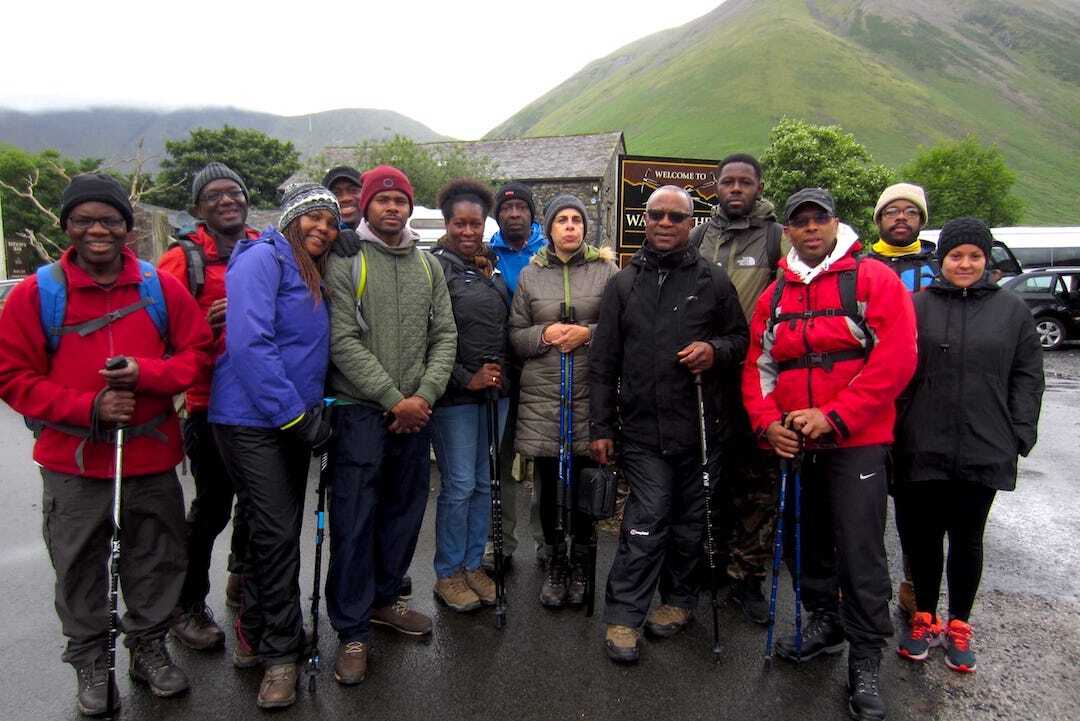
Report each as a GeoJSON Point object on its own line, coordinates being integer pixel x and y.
{"type": "Point", "coordinates": [459, 67]}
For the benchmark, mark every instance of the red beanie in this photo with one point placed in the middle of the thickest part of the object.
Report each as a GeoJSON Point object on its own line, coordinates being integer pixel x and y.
{"type": "Point", "coordinates": [380, 178]}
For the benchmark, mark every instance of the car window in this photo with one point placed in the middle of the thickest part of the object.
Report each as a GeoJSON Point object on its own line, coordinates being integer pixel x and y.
{"type": "Point", "coordinates": [1036, 284]}
{"type": "Point", "coordinates": [1070, 283]}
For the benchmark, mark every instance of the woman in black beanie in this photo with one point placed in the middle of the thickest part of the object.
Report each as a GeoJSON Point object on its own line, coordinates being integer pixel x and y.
{"type": "Point", "coordinates": [971, 409]}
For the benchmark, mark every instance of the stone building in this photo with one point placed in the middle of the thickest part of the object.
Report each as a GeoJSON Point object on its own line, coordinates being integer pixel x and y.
{"type": "Point", "coordinates": [583, 165]}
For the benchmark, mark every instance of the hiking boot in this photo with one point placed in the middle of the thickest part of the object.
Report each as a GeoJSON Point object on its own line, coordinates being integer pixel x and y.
{"type": "Point", "coordinates": [958, 653]}
{"type": "Point", "coordinates": [455, 593]}
{"type": "Point", "coordinates": [579, 576]}
{"type": "Point", "coordinates": [405, 589]}
{"type": "Point", "coordinates": [482, 585]}
{"type": "Point", "coordinates": [278, 687]}
{"type": "Point", "coordinates": [152, 665]}
{"type": "Point", "coordinates": [93, 695]}
{"type": "Point", "coordinates": [747, 595]}
{"type": "Point", "coordinates": [244, 655]}
{"type": "Point", "coordinates": [864, 694]}
{"type": "Point", "coordinates": [402, 619]}
{"type": "Point", "coordinates": [823, 634]}
{"type": "Point", "coordinates": [196, 629]}
{"type": "Point", "coordinates": [665, 621]}
{"type": "Point", "coordinates": [351, 665]}
{"type": "Point", "coordinates": [906, 600]}
{"type": "Point", "coordinates": [553, 592]}
{"type": "Point", "coordinates": [621, 643]}
{"type": "Point", "coordinates": [234, 593]}
{"type": "Point", "coordinates": [924, 634]}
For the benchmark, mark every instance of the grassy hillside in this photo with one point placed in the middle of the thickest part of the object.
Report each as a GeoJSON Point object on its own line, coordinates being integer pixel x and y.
{"type": "Point", "coordinates": [896, 77]}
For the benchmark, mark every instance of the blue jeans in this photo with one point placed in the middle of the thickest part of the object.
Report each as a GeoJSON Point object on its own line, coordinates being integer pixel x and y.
{"type": "Point", "coordinates": [463, 509]}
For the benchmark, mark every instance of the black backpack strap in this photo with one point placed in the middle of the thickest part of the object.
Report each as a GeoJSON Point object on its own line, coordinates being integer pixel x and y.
{"type": "Point", "coordinates": [774, 304]}
{"type": "Point", "coordinates": [773, 243]}
{"type": "Point", "coordinates": [195, 257]}
{"type": "Point", "coordinates": [849, 302]}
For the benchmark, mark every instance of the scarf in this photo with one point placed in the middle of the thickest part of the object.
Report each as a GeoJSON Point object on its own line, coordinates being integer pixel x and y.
{"type": "Point", "coordinates": [895, 251]}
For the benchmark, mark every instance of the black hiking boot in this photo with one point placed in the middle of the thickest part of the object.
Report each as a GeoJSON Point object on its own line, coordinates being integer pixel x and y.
{"type": "Point", "coordinates": [747, 595]}
{"type": "Point", "coordinates": [579, 576]}
{"type": "Point", "coordinates": [553, 593]}
{"type": "Point", "coordinates": [93, 694]}
{"type": "Point", "coordinates": [823, 634]}
{"type": "Point", "coordinates": [864, 694]}
{"type": "Point", "coordinates": [152, 665]}
{"type": "Point", "coordinates": [405, 590]}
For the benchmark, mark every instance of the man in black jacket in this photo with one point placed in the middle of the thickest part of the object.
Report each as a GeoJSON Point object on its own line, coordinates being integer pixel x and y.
{"type": "Point", "coordinates": [666, 317]}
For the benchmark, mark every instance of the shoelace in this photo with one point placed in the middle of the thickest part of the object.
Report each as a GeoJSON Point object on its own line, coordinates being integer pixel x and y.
{"type": "Point", "coordinates": [960, 636]}
{"type": "Point", "coordinates": [816, 627]}
{"type": "Point", "coordinates": [278, 673]}
{"type": "Point", "coordinates": [203, 616]}
{"type": "Point", "coordinates": [94, 674]}
{"type": "Point", "coordinates": [354, 647]}
{"type": "Point", "coordinates": [400, 607]}
{"type": "Point", "coordinates": [152, 653]}
{"type": "Point", "coordinates": [866, 678]}
{"type": "Point", "coordinates": [920, 629]}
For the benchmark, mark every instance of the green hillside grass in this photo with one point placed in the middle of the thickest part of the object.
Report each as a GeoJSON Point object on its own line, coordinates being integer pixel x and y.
{"type": "Point", "coordinates": [719, 84]}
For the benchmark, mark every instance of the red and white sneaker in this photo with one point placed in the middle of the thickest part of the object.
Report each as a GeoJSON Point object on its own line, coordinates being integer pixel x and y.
{"type": "Point", "coordinates": [924, 634]}
{"type": "Point", "coordinates": [958, 653]}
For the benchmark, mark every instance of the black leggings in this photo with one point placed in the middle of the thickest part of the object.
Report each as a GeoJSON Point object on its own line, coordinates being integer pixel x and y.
{"type": "Point", "coordinates": [546, 474]}
{"type": "Point", "coordinates": [925, 512]}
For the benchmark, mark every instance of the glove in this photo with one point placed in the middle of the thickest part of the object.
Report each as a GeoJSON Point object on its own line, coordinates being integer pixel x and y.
{"type": "Point", "coordinates": [312, 428]}
{"type": "Point", "coordinates": [347, 244]}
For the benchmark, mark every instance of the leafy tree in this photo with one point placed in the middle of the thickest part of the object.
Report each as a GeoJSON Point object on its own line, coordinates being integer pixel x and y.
{"type": "Point", "coordinates": [428, 170]}
{"type": "Point", "coordinates": [801, 155]}
{"type": "Point", "coordinates": [263, 162]}
{"type": "Point", "coordinates": [965, 177]}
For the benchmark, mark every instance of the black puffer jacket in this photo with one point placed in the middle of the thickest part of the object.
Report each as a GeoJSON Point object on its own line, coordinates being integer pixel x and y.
{"type": "Point", "coordinates": [481, 311]}
{"type": "Point", "coordinates": [974, 402]}
{"type": "Point", "coordinates": [651, 310]}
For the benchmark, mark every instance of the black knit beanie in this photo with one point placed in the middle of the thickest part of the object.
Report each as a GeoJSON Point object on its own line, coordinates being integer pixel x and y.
{"type": "Point", "coordinates": [962, 231]}
{"type": "Point", "coordinates": [215, 171]}
{"type": "Point", "coordinates": [515, 191]}
{"type": "Point", "coordinates": [565, 201]}
{"type": "Point", "coordinates": [99, 187]}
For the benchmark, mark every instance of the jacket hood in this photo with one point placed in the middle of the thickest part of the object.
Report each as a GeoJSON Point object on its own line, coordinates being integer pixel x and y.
{"type": "Point", "coordinates": [847, 243]}
{"type": "Point", "coordinates": [586, 254]}
{"type": "Point", "coordinates": [408, 239]}
{"type": "Point", "coordinates": [535, 242]}
{"type": "Point", "coordinates": [646, 257]}
{"type": "Point", "coordinates": [982, 286]}
{"type": "Point", "coordinates": [762, 212]}
{"type": "Point", "coordinates": [271, 234]}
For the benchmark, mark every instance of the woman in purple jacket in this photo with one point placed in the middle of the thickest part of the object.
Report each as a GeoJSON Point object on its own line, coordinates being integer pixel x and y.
{"type": "Point", "coordinates": [266, 407]}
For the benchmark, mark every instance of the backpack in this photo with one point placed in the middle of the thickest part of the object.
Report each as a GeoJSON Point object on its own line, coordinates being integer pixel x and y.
{"type": "Point", "coordinates": [195, 258]}
{"type": "Point", "coordinates": [52, 292]}
{"type": "Point", "coordinates": [774, 234]}
{"type": "Point", "coordinates": [849, 307]}
{"type": "Point", "coordinates": [359, 279]}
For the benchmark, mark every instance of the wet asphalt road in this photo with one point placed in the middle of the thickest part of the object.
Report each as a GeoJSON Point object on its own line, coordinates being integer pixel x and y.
{"type": "Point", "coordinates": [548, 665]}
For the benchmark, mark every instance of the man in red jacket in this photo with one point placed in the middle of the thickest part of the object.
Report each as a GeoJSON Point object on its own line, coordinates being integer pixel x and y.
{"type": "Point", "coordinates": [198, 259]}
{"type": "Point", "coordinates": [62, 385]}
{"type": "Point", "coordinates": [832, 344]}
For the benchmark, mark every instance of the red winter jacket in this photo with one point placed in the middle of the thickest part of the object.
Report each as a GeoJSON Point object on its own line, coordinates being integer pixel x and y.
{"type": "Point", "coordinates": [857, 396]}
{"type": "Point", "coordinates": [174, 262]}
{"type": "Point", "coordinates": [60, 387]}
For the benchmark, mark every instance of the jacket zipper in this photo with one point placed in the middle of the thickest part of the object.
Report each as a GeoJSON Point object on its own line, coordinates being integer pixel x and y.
{"type": "Point", "coordinates": [809, 349]}
{"type": "Point", "coordinates": [960, 384]}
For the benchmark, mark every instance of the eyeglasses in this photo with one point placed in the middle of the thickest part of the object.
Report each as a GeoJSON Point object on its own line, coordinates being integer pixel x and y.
{"type": "Point", "coordinates": [215, 196]}
{"type": "Point", "coordinates": [819, 218]}
{"type": "Point", "coordinates": [909, 213]}
{"type": "Point", "coordinates": [111, 223]}
{"type": "Point", "coordinates": [673, 215]}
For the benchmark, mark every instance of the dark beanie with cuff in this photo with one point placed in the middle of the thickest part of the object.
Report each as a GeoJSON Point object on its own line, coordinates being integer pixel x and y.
{"type": "Point", "coordinates": [99, 187]}
{"type": "Point", "coordinates": [964, 231]}
{"type": "Point", "coordinates": [561, 202]}
{"type": "Point", "coordinates": [215, 171]}
{"type": "Point", "coordinates": [515, 191]}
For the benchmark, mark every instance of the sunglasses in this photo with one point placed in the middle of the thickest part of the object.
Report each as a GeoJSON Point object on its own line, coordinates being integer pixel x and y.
{"type": "Point", "coordinates": [673, 215]}
{"type": "Point", "coordinates": [820, 218]}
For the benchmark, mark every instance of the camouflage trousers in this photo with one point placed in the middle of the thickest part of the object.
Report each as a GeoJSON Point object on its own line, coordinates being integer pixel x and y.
{"type": "Point", "coordinates": [747, 511]}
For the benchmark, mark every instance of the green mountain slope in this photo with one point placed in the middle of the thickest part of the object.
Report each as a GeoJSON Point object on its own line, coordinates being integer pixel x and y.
{"type": "Point", "coordinates": [897, 75]}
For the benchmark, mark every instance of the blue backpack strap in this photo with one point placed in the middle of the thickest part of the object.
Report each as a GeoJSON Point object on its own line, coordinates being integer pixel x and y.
{"type": "Point", "coordinates": [52, 294]}
{"type": "Point", "coordinates": [150, 290]}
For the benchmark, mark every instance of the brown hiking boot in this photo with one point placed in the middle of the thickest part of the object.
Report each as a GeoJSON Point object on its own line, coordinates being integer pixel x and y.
{"type": "Point", "coordinates": [666, 621]}
{"type": "Point", "coordinates": [906, 601]}
{"type": "Point", "coordinates": [621, 643]}
{"type": "Point", "coordinates": [196, 629]}
{"type": "Point", "coordinates": [351, 665]}
{"type": "Point", "coordinates": [482, 585]}
{"type": "Point", "coordinates": [402, 619]}
{"type": "Point", "coordinates": [233, 591]}
{"type": "Point", "coordinates": [278, 687]}
{"type": "Point", "coordinates": [455, 593]}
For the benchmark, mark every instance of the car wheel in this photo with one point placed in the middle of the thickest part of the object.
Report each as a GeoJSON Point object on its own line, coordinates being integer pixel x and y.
{"type": "Point", "coordinates": [1051, 332]}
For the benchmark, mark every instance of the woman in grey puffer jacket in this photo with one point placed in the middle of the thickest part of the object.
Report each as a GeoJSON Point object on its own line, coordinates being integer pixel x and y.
{"type": "Point", "coordinates": [567, 271]}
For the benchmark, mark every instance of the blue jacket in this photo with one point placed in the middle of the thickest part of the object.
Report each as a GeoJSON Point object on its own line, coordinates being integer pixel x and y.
{"type": "Point", "coordinates": [277, 340]}
{"type": "Point", "coordinates": [512, 261]}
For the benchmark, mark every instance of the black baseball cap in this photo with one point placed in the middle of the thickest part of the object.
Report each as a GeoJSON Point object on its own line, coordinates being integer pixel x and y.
{"type": "Point", "coordinates": [342, 171]}
{"type": "Point", "coordinates": [818, 196]}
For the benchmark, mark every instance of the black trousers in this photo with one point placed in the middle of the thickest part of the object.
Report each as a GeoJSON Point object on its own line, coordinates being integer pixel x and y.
{"type": "Point", "coordinates": [844, 501]}
{"type": "Point", "coordinates": [269, 470]}
{"type": "Point", "coordinates": [925, 513]}
{"type": "Point", "coordinates": [662, 534]}
{"type": "Point", "coordinates": [77, 526]}
{"type": "Point", "coordinates": [546, 474]}
{"type": "Point", "coordinates": [209, 512]}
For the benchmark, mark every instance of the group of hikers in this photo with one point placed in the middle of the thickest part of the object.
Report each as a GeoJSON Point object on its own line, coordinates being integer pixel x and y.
{"type": "Point", "coordinates": [719, 352]}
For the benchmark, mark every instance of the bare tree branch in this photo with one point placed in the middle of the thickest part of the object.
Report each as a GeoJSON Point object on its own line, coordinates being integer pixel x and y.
{"type": "Point", "coordinates": [38, 245]}
{"type": "Point", "coordinates": [28, 194]}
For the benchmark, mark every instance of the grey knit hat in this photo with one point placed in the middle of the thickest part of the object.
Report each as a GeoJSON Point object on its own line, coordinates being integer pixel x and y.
{"type": "Point", "coordinates": [559, 202]}
{"type": "Point", "coordinates": [302, 198]}
{"type": "Point", "coordinates": [215, 171]}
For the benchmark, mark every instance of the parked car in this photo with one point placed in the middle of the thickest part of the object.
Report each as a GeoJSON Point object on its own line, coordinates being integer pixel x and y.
{"type": "Point", "coordinates": [1004, 264]}
{"type": "Point", "coordinates": [1053, 295]}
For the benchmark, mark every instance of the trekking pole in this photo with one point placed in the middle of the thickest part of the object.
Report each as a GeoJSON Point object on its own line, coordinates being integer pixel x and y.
{"type": "Point", "coordinates": [563, 524]}
{"type": "Point", "coordinates": [114, 364]}
{"type": "Point", "coordinates": [314, 658]}
{"type": "Point", "coordinates": [709, 546]}
{"type": "Point", "coordinates": [498, 549]}
{"type": "Point", "coordinates": [796, 465]}
{"type": "Point", "coordinates": [778, 549]}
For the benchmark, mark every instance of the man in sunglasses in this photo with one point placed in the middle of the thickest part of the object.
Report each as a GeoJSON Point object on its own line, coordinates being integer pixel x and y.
{"type": "Point", "coordinates": [198, 258]}
{"type": "Point", "coordinates": [667, 317]}
{"type": "Point", "coordinates": [832, 344]}
{"type": "Point", "coordinates": [744, 239]}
